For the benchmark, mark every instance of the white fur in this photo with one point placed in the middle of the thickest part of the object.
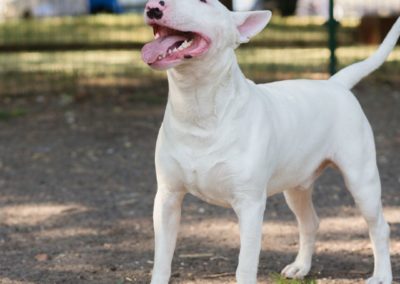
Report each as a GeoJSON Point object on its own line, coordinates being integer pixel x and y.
{"type": "Point", "coordinates": [233, 143]}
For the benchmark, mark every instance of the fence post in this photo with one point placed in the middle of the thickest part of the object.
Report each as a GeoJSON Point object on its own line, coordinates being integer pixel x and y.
{"type": "Point", "coordinates": [332, 27]}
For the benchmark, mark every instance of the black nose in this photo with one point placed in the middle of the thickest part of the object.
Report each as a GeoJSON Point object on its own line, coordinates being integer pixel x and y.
{"type": "Point", "coordinates": [154, 13]}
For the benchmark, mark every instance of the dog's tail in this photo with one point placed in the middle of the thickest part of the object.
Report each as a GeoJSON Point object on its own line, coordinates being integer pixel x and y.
{"type": "Point", "coordinates": [353, 74]}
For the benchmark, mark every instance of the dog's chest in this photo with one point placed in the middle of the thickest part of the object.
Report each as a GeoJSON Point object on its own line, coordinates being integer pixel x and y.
{"type": "Point", "coordinates": [209, 178]}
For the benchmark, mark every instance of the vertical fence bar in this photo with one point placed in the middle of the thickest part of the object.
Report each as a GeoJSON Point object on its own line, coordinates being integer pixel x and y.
{"type": "Point", "coordinates": [332, 27]}
{"type": "Point", "coordinates": [228, 4]}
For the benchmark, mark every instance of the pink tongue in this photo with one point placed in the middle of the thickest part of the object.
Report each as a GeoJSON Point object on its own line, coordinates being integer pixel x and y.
{"type": "Point", "coordinates": [152, 50]}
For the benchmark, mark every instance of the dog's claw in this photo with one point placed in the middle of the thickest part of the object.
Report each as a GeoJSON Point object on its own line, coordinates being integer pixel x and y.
{"type": "Point", "coordinates": [295, 270]}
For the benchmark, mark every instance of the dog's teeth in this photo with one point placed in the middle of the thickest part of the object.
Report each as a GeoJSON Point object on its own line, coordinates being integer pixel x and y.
{"type": "Point", "coordinates": [157, 35]}
{"type": "Point", "coordinates": [185, 44]}
{"type": "Point", "coordinates": [160, 57]}
{"type": "Point", "coordinates": [169, 51]}
{"type": "Point", "coordinates": [189, 43]}
{"type": "Point", "coordinates": [175, 50]}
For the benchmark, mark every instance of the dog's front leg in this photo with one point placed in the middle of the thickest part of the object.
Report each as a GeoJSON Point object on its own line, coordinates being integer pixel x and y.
{"type": "Point", "coordinates": [250, 213]}
{"type": "Point", "coordinates": [166, 217]}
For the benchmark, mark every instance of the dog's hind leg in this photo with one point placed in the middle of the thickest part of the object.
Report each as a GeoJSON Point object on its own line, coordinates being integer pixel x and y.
{"type": "Point", "coordinates": [357, 161]}
{"type": "Point", "coordinates": [300, 202]}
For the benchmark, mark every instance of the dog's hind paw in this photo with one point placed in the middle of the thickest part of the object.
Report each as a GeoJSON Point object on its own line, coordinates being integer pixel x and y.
{"type": "Point", "coordinates": [296, 270]}
{"type": "Point", "coordinates": [378, 280]}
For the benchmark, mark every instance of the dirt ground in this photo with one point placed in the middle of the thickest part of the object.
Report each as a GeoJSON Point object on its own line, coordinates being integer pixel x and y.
{"type": "Point", "coordinates": [76, 191]}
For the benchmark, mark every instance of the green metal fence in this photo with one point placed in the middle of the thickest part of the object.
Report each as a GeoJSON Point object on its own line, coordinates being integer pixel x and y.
{"type": "Point", "coordinates": [100, 55]}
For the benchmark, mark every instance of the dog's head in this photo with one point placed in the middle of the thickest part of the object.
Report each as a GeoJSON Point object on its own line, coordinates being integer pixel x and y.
{"type": "Point", "coordinates": [196, 30]}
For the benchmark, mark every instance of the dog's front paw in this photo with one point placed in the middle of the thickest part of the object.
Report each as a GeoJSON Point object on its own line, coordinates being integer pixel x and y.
{"type": "Point", "coordinates": [296, 270]}
{"type": "Point", "coordinates": [379, 280]}
{"type": "Point", "coordinates": [159, 280]}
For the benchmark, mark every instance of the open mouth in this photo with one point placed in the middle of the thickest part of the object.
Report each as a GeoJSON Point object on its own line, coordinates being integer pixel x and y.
{"type": "Point", "coordinates": [171, 46]}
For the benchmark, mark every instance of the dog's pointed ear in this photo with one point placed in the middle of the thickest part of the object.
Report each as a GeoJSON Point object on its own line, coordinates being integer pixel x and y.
{"type": "Point", "coordinates": [250, 23]}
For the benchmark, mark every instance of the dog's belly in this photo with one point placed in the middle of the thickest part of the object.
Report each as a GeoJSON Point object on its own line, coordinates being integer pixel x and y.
{"type": "Point", "coordinates": [217, 184]}
{"type": "Point", "coordinates": [294, 178]}
{"type": "Point", "coordinates": [285, 181]}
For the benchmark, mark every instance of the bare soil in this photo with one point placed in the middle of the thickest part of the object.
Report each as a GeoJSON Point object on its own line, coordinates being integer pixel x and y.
{"type": "Point", "coordinates": [76, 192]}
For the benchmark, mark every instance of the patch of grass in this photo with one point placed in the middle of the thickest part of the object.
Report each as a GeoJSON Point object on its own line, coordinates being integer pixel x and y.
{"type": "Point", "coordinates": [130, 28]}
{"type": "Point", "coordinates": [10, 114]}
{"type": "Point", "coordinates": [83, 30]}
{"type": "Point", "coordinates": [104, 72]}
{"type": "Point", "coordinates": [278, 279]}
{"type": "Point", "coordinates": [288, 48]}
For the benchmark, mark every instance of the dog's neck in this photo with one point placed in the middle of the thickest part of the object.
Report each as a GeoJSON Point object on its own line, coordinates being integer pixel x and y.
{"type": "Point", "coordinates": [201, 95]}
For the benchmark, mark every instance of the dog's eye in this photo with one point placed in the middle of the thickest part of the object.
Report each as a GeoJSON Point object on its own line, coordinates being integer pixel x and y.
{"type": "Point", "coordinates": [204, 1]}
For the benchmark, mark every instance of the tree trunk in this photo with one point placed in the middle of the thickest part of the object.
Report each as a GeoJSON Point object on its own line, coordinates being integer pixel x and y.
{"type": "Point", "coordinates": [228, 4]}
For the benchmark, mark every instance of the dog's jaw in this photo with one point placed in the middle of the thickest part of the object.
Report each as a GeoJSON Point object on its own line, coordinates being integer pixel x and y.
{"type": "Point", "coordinates": [172, 46]}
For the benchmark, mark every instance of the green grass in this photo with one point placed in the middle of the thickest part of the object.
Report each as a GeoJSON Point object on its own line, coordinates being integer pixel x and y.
{"type": "Point", "coordinates": [119, 62]}
{"type": "Point", "coordinates": [10, 114]}
{"type": "Point", "coordinates": [130, 28]}
{"type": "Point", "coordinates": [82, 30]}
{"type": "Point", "coordinates": [278, 279]}
{"type": "Point", "coordinates": [101, 71]}
{"type": "Point", "coordinates": [295, 47]}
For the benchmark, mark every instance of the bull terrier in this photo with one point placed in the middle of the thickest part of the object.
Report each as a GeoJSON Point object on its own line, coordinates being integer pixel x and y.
{"type": "Point", "coordinates": [234, 143]}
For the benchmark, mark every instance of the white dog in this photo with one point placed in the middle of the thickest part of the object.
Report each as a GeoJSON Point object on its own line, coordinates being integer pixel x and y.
{"type": "Point", "coordinates": [233, 143]}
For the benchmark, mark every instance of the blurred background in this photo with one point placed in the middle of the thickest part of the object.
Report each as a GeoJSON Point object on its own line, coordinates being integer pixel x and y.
{"type": "Point", "coordinates": [82, 48]}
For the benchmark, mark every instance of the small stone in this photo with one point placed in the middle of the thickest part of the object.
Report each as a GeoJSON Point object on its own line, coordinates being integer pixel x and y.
{"type": "Point", "coordinates": [70, 117]}
{"type": "Point", "coordinates": [40, 99]}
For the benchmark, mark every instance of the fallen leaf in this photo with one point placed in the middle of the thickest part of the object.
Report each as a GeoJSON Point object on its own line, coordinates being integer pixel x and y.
{"type": "Point", "coordinates": [42, 257]}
